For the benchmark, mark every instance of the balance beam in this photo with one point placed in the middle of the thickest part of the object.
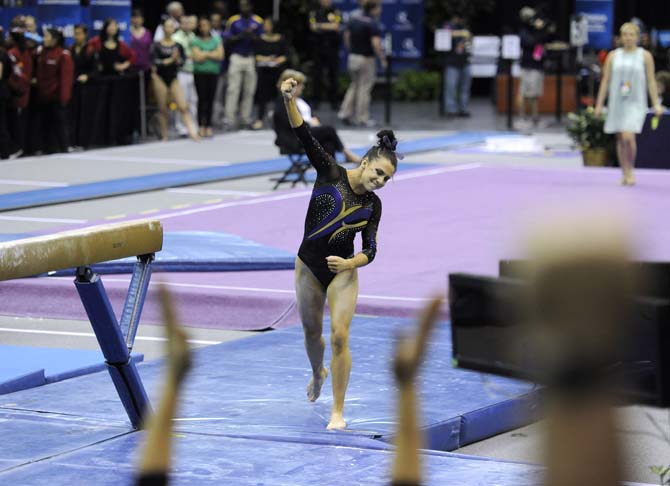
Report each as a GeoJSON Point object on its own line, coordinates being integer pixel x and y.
{"type": "Point", "coordinates": [32, 256]}
{"type": "Point", "coordinates": [84, 247]}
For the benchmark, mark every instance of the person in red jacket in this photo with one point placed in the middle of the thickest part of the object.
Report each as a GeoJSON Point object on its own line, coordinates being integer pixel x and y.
{"type": "Point", "coordinates": [55, 75]}
{"type": "Point", "coordinates": [114, 55]}
{"type": "Point", "coordinates": [23, 59]}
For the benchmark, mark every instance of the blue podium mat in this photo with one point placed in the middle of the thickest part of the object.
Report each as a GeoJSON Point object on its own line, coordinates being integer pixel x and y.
{"type": "Point", "coordinates": [256, 388]}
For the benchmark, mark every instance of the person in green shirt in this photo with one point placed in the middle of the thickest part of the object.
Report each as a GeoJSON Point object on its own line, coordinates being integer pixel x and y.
{"type": "Point", "coordinates": [207, 50]}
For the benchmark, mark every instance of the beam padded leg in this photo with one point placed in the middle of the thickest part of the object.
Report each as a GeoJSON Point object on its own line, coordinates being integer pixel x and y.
{"type": "Point", "coordinates": [112, 343]}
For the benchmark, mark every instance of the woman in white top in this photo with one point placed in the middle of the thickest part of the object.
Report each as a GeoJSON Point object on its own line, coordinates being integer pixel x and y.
{"type": "Point", "coordinates": [628, 71]}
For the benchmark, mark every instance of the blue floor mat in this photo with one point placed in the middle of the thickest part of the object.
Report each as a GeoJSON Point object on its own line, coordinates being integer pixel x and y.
{"type": "Point", "coordinates": [205, 459]}
{"type": "Point", "coordinates": [130, 185]}
{"type": "Point", "coordinates": [255, 388]}
{"type": "Point", "coordinates": [24, 367]}
{"type": "Point", "coordinates": [198, 251]}
{"type": "Point", "coordinates": [34, 436]}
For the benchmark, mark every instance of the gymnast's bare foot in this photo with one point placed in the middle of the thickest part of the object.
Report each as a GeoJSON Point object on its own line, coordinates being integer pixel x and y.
{"type": "Point", "coordinates": [315, 384]}
{"type": "Point", "coordinates": [336, 421]}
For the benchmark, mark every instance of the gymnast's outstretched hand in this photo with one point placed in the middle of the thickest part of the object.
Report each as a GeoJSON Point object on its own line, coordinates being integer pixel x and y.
{"type": "Point", "coordinates": [410, 350]}
{"type": "Point", "coordinates": [408, 357]}
{"type": "Point", "coordinates": [178, 352]}
{"type": "Point", "coordinates": [156, 457]}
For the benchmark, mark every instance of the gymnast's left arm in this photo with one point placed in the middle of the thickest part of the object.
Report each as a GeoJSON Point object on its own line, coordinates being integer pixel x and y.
{"type": "Point", "coordinates": [337, 264]}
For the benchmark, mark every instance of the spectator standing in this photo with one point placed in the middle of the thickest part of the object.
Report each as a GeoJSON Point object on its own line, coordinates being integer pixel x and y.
{"type": "Point", "coordinates": [140, 42]}
{"type": "Point", "coordinates": [207, 56]}
{"type": "Point", "coordinates": [31, 25]}
{"type": "Point", "coordinates": [23, 68]}
{"type": "Point", "coordinates": [242, 31]}
{"type": "Point", "coordinates": [114, 56]}
{"type": "Point", "coordinates": [363, 39]}
{"type": "Point", "coordinates": [82, 54]}
{"type": "Point", "coordinates": [174, 12]}
{"type": "Point", "coordinates": [167, 57]}
{"type": "Point", "coordinates": [219, 26]}
{"type": "Point", "coordinates": [663, 87]}
{"type": "Point", "coordinates": [85, 63]}
{"type": "Point", "coordinates": [271, 57]}
{"type": "Point", "coordinates": [55, 76]}
{"type": "Point", "coordinates": [6, 69]}
{"type": "Point", "coordinates": [531, 86]}
{"type": "Point", "coordinates": [325, 23]}
{"type": "Point", "coordinates": [184, 36]}
{"type": "Point", "coordinates": [457, 76]}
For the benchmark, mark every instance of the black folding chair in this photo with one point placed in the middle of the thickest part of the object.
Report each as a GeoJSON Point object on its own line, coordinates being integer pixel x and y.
{"type": "Point", "coordinates": [295, 172]}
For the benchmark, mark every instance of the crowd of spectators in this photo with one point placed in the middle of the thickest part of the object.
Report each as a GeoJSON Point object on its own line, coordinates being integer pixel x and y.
{"type": "Point", "coordinates": [213, 71]}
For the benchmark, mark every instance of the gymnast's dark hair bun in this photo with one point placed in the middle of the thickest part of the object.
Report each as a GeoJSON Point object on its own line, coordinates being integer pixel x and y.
{"type": "Point", "coordinates": [387, 140]}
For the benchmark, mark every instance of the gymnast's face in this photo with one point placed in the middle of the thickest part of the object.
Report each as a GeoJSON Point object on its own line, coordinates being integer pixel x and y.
{"type": "Point", "coordinates": [376, 173]}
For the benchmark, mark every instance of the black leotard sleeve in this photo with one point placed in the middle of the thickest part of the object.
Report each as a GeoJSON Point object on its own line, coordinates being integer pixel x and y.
{"type": "Point", "coordinates": [370, 232]}
{"type": "Point", "coordinates": [325, 165]}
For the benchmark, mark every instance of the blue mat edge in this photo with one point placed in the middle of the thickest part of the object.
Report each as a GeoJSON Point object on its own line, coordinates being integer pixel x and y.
{"type": "Point", "coordinates": [501, 417]}
{"type": "Point", "coordinates": [23, 382]}
{"type": "Point", "coordinates": [87, 370]}
{"type": "Point", "coordinates": [38, 378]}
{"type": "Point", "coordinates": [130, 185]}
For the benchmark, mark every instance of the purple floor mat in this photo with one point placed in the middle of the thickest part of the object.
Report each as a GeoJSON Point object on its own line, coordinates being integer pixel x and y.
{"type": "Point", "coordinates": [434, 222]}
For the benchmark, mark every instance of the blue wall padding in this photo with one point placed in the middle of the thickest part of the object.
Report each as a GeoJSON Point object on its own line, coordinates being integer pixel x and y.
{"type": "Point", "coordinates": [256, 388]}
{"type": "Point", "coordinates": [22, 382]}
{"type": "Point", "coordinates": [216, 460]}
{"type": "Point", "coordinates": [198, 251]}
{"type": "Point", "coordinates": [129, 185]}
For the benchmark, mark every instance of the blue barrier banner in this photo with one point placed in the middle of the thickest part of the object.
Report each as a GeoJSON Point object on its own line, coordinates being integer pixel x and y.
{"type": "Point", "coordinates": [65, 14]}
{"type": "Point", "coordinates": [12, 8]}
{"type": "Point", "coordinates": [62, 14]}
{"type": "Point", "coordinates": [116, 9]}
{"type": "Point", "coordinates": [600, 17]}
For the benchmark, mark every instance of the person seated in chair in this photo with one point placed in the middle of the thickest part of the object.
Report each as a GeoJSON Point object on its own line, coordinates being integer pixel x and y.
{"type": "Point", "coordinates": [324, 134]}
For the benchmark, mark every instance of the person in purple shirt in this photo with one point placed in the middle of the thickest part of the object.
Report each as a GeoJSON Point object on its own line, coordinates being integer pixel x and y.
{"type": "Point", "coordinates": [140, 41]}
{"type": "Point", "coordinates": [242, 31]}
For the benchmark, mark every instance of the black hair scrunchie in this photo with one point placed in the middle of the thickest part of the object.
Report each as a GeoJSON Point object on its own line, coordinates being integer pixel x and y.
{"type": "Point", "coordinates": [391, 145]}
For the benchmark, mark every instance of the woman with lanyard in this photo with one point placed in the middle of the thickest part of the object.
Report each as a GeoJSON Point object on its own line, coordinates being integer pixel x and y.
{"type": "Point", "coordinates": [343, 203]}
{"type": "Point", "coordinates": [628, 71]}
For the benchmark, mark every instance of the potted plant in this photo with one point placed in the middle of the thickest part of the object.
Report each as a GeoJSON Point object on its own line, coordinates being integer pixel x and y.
{"type": "Point", "coordinates": [587, 132]}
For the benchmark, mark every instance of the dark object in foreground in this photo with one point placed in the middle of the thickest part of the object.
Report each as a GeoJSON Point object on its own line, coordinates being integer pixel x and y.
{"type": "Point", "coordinates": [490, 334]}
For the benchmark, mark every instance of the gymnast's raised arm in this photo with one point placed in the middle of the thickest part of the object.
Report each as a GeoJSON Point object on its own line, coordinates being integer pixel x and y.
{"type": "Point", "coordinates": [325, 165]}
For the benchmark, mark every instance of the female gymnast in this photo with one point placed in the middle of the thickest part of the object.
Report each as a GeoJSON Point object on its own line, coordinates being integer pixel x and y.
{"type": "Point", "coordinates": [343, 203]}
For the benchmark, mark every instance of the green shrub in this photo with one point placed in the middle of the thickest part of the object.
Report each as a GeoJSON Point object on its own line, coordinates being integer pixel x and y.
{"type": "Point", "coordinates": [416, 86]}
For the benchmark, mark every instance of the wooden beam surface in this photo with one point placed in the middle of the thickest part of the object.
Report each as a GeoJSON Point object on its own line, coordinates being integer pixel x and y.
{"type": "Point", "coordinates": [86, 246]}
